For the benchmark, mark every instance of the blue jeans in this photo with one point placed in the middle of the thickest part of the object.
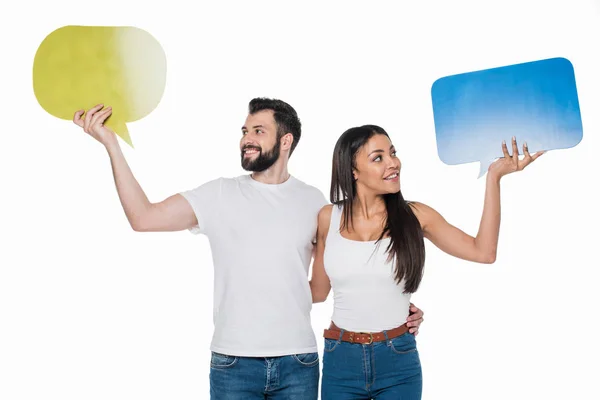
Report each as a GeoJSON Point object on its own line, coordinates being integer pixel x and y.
{"type": "Point", "coordinates": [384, 370]}
{"type": "Point", "coordinates": [293, 377]}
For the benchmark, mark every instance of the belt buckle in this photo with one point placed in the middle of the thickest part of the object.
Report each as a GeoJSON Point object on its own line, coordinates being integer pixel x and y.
{"type": "Point", "coordinates": [370, 336]}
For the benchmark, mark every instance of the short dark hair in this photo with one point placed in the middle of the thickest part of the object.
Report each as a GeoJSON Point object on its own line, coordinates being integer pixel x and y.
{"type": "Point", "coordinates": [285, 116]}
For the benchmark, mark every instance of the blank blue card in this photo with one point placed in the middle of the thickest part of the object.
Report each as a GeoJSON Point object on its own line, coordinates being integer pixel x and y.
{"type": "Point", "coordinates": [535, 101]}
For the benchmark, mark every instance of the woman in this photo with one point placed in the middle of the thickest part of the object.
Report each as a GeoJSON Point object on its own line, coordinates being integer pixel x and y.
{"type": "Point", "coordinates": [370, 249]}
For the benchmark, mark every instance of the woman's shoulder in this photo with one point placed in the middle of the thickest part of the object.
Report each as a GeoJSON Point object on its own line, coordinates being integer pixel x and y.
{"type": "Point", "coordinates": [416, 206]}
{"type": "Point", "coordinates": [424, 213]}
{"type": "Point", "coordinates": [325, 212]}
{"type": "Point", "coordinates": [324, 218]}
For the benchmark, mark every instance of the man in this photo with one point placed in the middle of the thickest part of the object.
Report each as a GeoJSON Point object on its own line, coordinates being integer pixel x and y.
{"type": "Point", "coordinates": [262, 229]}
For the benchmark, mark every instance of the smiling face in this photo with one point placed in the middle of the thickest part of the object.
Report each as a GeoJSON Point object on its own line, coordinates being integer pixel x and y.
{"type": "Point", "coordinates": [260, 147]}
{"type": "Point", "coordinates": [377, 168]}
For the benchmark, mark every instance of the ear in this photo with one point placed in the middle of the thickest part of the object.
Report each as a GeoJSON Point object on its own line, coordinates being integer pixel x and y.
{"type": "Point", "coordinates": [286, 141]}
{"type": "Point", "coordinates": [354, 174]}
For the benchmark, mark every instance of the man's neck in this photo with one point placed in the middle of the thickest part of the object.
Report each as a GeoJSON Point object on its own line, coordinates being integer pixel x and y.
{"type": "Point", "coordinates": [272, 176]}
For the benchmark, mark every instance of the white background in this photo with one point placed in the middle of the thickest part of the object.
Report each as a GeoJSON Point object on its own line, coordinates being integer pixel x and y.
{"type": "Point", "coordinates": [90, 309]}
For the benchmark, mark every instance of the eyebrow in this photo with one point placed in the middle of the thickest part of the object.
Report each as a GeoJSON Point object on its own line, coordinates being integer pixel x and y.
{"type": "Point", "coordinates": [379, 150]}
{"type": "Point", "coordinates": [254, 127]}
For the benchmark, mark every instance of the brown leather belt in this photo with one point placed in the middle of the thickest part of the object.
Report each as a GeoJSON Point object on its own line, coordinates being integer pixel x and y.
{"type": "Point", "coordinates": [363, 337]}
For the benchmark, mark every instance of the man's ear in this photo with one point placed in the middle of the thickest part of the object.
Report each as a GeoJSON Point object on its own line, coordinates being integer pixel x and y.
{"type": "Point", "coordinates": [286, 141]}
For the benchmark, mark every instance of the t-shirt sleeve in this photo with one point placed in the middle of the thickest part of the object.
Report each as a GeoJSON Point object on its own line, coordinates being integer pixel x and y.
{"type": "Point", "coordinates": [204, 200]}
{"type": "Point", "coordinates": [322, 200]}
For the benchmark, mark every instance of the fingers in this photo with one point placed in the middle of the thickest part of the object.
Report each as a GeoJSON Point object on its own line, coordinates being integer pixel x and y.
{"type": "Point", "coordinates": [77, 118]}
{"type": "Point", "coordinates": [101, 116]}
{"type": "Point", "coordinates": [414, 322]}
{"type": "Point", "coordinates": [415, 316]}
{"type": "Point", "coordinates": [515, 155]}
{"type": "Point", "coordinates": [528, 157]}
{"type": "Point", "coordinates": [415, 313]}
{"type": "Point", "coordinates": [536, 155]}
{"type": "Point", "coordinates": [505, 149]}
{"type": "Point", "coordinates": [527, 160]}
{"type": "Point", "coordinates": [414, 328]}
{"type": "Point", "coordinates": [526, 151]}
{"type": "Point", "coordinates": [88, 117]}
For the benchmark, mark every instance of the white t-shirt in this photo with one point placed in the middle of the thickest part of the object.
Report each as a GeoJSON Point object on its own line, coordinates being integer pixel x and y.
{"type": "Point", "coordinates": [261, 237]}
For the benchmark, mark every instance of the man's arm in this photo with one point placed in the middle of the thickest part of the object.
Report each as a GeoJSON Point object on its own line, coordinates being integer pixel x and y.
{"type": "Point", "coordinates": [319, 282]}
{"type": "Point", "coordinates": [172, 214]}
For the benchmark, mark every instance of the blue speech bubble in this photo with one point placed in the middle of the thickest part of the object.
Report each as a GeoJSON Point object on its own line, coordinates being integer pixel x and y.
{"type": "Point", "coordinates": [535, 101]}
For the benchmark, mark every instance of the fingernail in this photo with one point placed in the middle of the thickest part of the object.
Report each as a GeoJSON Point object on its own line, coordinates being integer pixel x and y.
{"type": "Point", "coordinates": [525, 144]}
{"type": "Point", "coordinates": [514, 138]}
{"type": "Point", "coordinates": [504, 142]}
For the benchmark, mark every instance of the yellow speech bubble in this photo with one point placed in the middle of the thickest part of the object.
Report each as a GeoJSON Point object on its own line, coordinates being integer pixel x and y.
{"type": "Point", "coordinates": [77, 67]}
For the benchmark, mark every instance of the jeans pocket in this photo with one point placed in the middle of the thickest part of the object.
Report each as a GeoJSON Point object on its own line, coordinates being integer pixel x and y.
{"type": "Point", "coordinates": [307, 359]}
{"type": "Point", "coordinates": [218, 360]}
{"type": "Point", "coordinates": [403, 344]}
{"type": "Point", "coordinates": [330, 345]}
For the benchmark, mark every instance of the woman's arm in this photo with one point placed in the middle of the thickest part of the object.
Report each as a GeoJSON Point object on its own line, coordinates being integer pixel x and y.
{"type": "Point", "coordinates": [483, 247]}
{"type": "Point", "coordinates": [452, 240]}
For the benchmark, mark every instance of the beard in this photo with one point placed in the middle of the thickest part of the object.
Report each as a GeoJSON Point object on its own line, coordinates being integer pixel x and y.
{"type": "Point", "coordinates": [263, 161]}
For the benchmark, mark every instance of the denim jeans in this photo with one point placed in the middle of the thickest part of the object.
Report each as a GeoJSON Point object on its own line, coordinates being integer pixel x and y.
{"type": "Point", "coordinates": [384, 370]}
{"type": "Point", "coordinates": [293, 377]}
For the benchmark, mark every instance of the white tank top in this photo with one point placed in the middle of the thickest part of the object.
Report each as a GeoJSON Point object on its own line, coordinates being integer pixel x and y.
{"type": "Point", "coordinates": [366, 296]}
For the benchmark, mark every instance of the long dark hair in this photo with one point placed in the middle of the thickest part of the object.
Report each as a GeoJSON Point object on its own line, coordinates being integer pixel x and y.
{"type": "Point", "coordinates": [402, 226]}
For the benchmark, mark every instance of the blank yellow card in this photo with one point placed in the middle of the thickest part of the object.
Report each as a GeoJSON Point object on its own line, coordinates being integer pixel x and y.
{"type": "Point", "coordinates": [77, 67]}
